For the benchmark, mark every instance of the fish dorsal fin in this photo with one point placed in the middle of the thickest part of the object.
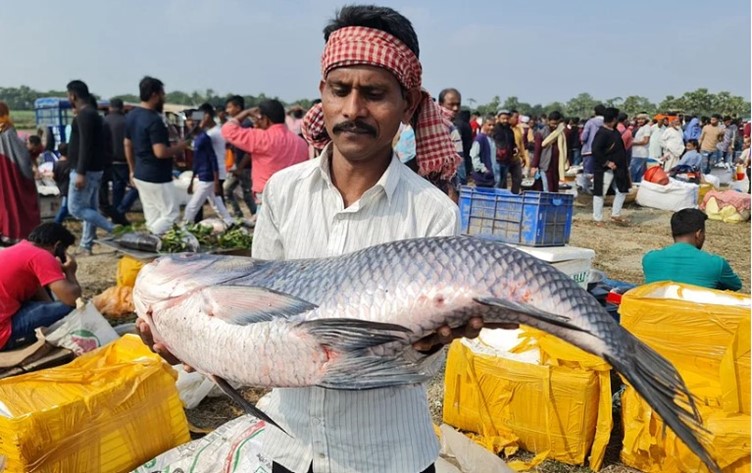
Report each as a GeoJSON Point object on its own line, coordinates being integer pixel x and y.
{"type": "Point", "coordinates": [243, 305]}
{"type": "Point", "coordinates": [529, 310]}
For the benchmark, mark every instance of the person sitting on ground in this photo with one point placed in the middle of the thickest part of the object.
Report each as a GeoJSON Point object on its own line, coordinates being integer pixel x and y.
{"type": "Point", "coordinates": [33, 269]}
{"type": "Point", "coordinates": [690, 163]}
{"type": "Point", "coordinates": [684, 261]}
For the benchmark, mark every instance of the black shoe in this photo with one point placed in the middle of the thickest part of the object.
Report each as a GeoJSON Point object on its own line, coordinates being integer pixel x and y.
{"type": "Point", "coordinates": [119, 219]}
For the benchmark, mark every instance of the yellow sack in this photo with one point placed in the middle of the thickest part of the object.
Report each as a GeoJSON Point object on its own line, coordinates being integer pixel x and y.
{"type": "Point", "coordinates": [705, 334]}
{"type": "Point", "coordinates": [690, 326]}
{"type": "Point", "coordinates": [109, 410]}
{"type": "Point", "coordinates": [646, 449]}
{"type": "Point", "coordinates": [127, 271]}
{"type": "Point", "coordinates": [735, 372]}
{"type": "Point", "coordinates": [560, 410]}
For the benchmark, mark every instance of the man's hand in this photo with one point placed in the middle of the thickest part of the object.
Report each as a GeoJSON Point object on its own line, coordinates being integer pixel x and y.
{"type": "Point", "coordinates": [444, 335]}
{"type": "Point", "coordinates": [533, 171]}
{"type": "Point", "coordinates": [190, 187]}
{"type": "Point", "coordinates": [132, 180]}
{"type": "Point", "coordinates": [144, 332]}
{"type": "Point", "coordinates": [611, 165]}
{"type": "Point", "coordinates": [70, 266]}
{"type": "Point", "coordinates": [80, 181]}
{"type": "Point", "coordinates": [217, 189]}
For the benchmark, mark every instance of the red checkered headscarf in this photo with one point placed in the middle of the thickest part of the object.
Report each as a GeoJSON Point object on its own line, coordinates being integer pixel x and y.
{"type": "Point", "coordinates": [358, 45]}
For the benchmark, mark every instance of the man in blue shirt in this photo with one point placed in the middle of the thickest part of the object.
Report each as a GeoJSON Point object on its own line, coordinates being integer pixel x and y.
{"type": "Point", "coordinates": [206, 168]}
{"type": "Point", "coordinates": [684, 261]}
{"type": "Point", "coordinates": [149, 156]}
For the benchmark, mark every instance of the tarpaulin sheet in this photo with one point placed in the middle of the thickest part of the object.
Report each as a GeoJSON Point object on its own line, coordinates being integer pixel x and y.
{"type": "Point", "coordinates": [706, 334]}
{"type": "Point", "coordinates": [127, 271]}
{"type": "Point", "coordinates": [559, 408]}
{"type": "Point", "coordinates": [110, 410]}
{"type": "Point", "coordinates": [690, 326]}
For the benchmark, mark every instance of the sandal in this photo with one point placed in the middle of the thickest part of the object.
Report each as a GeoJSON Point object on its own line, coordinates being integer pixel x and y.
{"type": "Point", "coordinates": [620, 221]}
{"type": "Point", "coordinates": [599, 224]}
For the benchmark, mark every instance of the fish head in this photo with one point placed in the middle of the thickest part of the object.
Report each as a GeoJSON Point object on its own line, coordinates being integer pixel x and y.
{"type": "Point", "coordinates": [176, 275]}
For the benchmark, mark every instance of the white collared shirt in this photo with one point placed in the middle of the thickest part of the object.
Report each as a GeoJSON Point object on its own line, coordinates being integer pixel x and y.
{"type": "Point", "coordinates": [302, 215]}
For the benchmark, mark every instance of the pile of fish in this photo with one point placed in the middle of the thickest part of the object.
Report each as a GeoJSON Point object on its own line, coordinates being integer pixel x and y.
{"type": "Point", "coordinates": [349, 322]}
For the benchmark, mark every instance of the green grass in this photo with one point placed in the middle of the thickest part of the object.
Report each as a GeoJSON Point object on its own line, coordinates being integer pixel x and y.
{"type": "Point", "coordinates": [24, 119]}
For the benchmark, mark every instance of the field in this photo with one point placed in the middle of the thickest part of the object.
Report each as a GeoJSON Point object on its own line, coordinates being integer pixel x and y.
{"type": "Point", "coordinates": [618, 252]}
{"type": "Point", "coordinates": [24, 120]}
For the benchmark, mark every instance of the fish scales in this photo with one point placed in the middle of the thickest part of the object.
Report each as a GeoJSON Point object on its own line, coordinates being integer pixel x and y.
{"type": "Point", "coordinates": [378, 301]}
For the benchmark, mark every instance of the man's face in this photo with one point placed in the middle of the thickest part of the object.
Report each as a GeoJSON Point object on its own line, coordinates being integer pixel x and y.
{"type": "Point", "coordinates": [503, 119]}
{"type": "Point", "coordinates": [232, 109]}
{"type": "Point", "coordinates": [552, 124]}
{"type": "Point", "coordinates": [514, 119]}
{"type": "Point", "coordinates": [34, 149]}
{"type": "Point", "coordinates": [363, 107]}
{"type": "Point", "coordinates": [159, 105]}
{"type": "Point", "coordinates": [488, 126]}
{"type": "Point", "coordinates": [714, 121]}
{"type": "Point", "coordinates": [452, 102]}
{"type": "Point", "coordinates": [640, 122]}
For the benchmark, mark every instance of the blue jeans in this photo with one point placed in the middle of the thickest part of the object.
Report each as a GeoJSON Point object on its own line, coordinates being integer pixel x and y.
{"type": "Point", "coordinates": [709, 158]}
{"type": "Point", "coordinates": [62, 212]}
{"type": "Point", "coordinates": [83, 204]}
{"type": "Point", "coordinates": [31, 316]}
{"type": "Point", "coordinates": [122, 200]}
{"type": "Point", "coordinates": [462, 173]}
{"type": "Point", "coordinates": [576, 157]}
{"type": "Point", "coordinates": [637, 168]}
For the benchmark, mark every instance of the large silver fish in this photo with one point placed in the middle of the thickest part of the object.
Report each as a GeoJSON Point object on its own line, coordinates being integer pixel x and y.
{"type": "Point", "coordinates": [349, 322]}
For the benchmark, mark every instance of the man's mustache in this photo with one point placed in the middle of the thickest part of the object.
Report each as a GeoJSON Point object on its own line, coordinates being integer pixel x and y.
{"type": "Point", "coordinates": [355, 126]}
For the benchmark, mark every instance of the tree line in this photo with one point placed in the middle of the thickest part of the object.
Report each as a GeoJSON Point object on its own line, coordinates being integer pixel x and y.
{"type": "Point", "coordinates": [698, 102]}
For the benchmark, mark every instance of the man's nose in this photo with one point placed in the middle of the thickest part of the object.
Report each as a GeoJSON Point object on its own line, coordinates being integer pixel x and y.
{"type": "Point", "coordinates": [354, 106]}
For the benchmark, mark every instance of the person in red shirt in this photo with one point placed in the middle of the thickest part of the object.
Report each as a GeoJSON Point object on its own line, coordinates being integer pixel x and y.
{"type": "Point", "coordinates": [34, 270]}
{"type": "Point", "coordinates": [270, 145]}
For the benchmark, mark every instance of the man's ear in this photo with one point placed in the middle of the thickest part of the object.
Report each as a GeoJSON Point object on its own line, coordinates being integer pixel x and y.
{"type": "Point", "coordinates": [413, 98]}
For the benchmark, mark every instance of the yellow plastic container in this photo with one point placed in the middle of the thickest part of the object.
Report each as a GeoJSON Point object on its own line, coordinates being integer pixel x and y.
{"type": "Point", "coordinates": [127, 271]}
{"type": "Point", "coordinates": [559, 409]}
{"type": "Point", "coordinates": [706, 335]}
{"type": "Point", "coordinates": [108, 411]}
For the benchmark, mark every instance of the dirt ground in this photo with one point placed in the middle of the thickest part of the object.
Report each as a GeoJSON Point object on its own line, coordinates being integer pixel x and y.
{"type": "Point", "coordinates": [618, 253]}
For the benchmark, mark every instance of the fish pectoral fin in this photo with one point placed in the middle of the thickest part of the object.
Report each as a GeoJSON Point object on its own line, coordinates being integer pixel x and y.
{"type": "Point", "coordinates": [530, 311]}
{"type": "Point", "coordinates": [243, 305]}
{"type": "Point", "coordinates": [249, 408]}
{"type": "Point", "coordinates": [350, 335]}
{"type": "Point", "coordinates": [372, 371]}
{"type": "Point", "coordinates": [354, 368]}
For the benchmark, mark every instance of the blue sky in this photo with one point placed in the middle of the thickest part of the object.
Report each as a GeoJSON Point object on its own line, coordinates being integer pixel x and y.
{"type": "Point", "coordinates": [539, 51]}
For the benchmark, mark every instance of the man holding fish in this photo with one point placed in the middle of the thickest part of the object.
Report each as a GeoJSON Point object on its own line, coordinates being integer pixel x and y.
{"type": "Point", "coordinates": [356, 278]}
{"type": "Point", "coordinates": [358, 194]}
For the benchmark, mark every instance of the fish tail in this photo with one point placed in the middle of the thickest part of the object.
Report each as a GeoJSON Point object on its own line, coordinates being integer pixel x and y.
{"type": "Point", "coordinates": [658, 382]}
{"type": "Point", "coordinates": [355, 368]}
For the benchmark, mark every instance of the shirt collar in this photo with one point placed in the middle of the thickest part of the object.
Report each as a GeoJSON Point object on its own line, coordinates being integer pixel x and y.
{"type": "Point", "coordinates": [387, 182]}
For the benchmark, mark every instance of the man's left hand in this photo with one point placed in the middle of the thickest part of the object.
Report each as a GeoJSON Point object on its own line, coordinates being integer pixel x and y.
{"type": "Point", "coordinates": [445, 335]}
{"type": "Point", "coordinates": [217, 189]}
{"type": "Point", "coordinates": [80, 181]}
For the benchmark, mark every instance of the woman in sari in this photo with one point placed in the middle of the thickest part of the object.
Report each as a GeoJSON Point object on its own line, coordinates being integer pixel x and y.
{"type": "Point", "coordinates": [19, 204]}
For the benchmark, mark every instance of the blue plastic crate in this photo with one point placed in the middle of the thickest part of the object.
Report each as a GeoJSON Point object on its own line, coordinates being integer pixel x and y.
{"type": "Point", "coordinates": [530, 219]}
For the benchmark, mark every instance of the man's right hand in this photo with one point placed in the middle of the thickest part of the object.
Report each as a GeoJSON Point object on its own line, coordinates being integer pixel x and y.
{"type": "Point", "coordinates": [144, 332]}
{"type": "Point", "coordinates": [70, 266]}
